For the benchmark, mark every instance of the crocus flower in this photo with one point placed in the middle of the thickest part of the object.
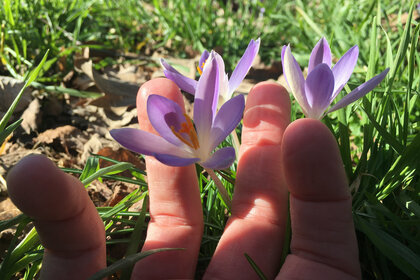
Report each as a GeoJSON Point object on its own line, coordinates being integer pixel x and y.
{"type": "Point", "coordinates": [227, 85]}
{"type": "Point", "coordinates": [323, 84]}
{"type": "Point", "coordinates": [182, 142]}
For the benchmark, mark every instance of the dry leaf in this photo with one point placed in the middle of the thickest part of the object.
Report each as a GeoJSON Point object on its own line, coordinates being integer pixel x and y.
{"type": "Point", "coordinates": [122, 155]}
{"type": "Point", "coordinates": [99, 192]}
{"type": "Point", "coordinates": [91, 147]}
{"type": "Point", "coordinates": [120, 191]}
{"type": "Point", "coordinates": [8, 210]}
{"type": "Point", "coordinates": [117, 92]}
{"type": "Point", "coordinates": [50, 135]}
{"type": "Point", "coordinates": [31, 116]}
{"type": "Point", "coordinates": [9, 89]}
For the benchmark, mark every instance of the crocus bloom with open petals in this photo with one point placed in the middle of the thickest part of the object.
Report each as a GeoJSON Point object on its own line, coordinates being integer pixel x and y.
{"type": "Point", "coordinates": [323, 84]}
{"type": "Point", "coordinates": [227, 85]}
{"type": "Point", "coordinates": [181, 142]}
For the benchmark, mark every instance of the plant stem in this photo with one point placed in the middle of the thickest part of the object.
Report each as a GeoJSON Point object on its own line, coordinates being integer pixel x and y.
{"type": "Point", "coordinates": [222, 190]}
{"type": "Point", "coordinates": [236, 143]}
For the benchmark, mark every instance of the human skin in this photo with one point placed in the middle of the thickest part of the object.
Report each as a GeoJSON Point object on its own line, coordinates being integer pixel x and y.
{"type": "Point", "coordinates": [276, 158]}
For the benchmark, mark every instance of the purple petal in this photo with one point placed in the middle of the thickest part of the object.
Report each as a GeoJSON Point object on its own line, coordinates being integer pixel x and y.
{"type": "Point", "coordinates": [203, 58]}
{"type": "Point", "coordinates": [223, 81]}
{"type": "Point", "coordinates": [206, 98]}
{"type": "Point", "coordinates": [319, 87]}
{"type": "Point", "coordinates": [220, 159]}
{"type": "Point", "coordinates": [175, 161]}
{"type": "Point", "coordinates": [359, 92]}
{"type": "Point", "coordinates": [294, 77]}
{"type": "Point", "coordinates": [243, 66]}
{"type": "Point", "coordinates": [343, 69]}
{"type": "Point", "coordinates": [228, 117]}
{"type": "Point", "coordinates": [186, 84]}
{"type": "Point", "coordinates": [146, 143]}
{"type": "Point", "coordinates": [321, 53]}
{"type": "Point", "coordinates": [163, 114]}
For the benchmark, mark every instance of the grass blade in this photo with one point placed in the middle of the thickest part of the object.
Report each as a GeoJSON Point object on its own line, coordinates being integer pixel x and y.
{"type": "Point", "coordinates": [126, 263]}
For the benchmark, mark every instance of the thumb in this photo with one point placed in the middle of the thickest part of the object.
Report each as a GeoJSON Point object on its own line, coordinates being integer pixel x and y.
{"type": "Point", "coordinates": [324, 244]}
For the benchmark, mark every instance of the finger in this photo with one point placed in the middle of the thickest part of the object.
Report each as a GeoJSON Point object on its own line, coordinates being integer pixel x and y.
{"type": "Point", "coordinates": [65, 218]}
{"type": "Point", "coordinates": [323, 244]}
{"type": "Point", "coordinates": [259, 209]}
{"type": "Point", "coordinates": [175, 206]}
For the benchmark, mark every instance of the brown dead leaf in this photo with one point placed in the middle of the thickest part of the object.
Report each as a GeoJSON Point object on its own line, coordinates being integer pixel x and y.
{"type": "Point", "coordinates": [9, 89]}
{"type": "Point", "coordinates": [117, 92]}
{"type": "Point", "coordinates": [92, 146]}
{"type": "Point", "coordinates": [99, 193]}
{"type": "Point", "coordinates": [31, 116]}
{"type": "Point", "coordinates": [122, 155]}
{"type": "Point", "coordinates": [120, 191]}
{"type": "Point", "coordinates": [8, 210]}
{"type": "Point", "coordinates": [50, 135]}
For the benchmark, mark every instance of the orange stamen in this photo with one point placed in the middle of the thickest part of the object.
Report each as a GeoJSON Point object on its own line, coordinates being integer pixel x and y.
{"type": "Point", "coordinates": [199, 69]}
{"type": "Point", "coordinates": [188, 128]}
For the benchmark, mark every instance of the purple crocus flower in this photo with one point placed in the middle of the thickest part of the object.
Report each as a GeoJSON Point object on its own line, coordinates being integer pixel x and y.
{"type": "Point", "coordinates": [227, 85]}
{"type": "Point", "coordinates": [323, 84]}
{"type": "Point", "coordinates": [182, 142]}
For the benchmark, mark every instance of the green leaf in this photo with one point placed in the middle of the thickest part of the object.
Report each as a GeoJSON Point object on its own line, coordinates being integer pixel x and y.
{"type": "Point", "coordinates": [126, 263]}
{"type": "Point", "coordinates": [135, 238]}
{"type": "Point", "coordinates": [399, 254]}
{"type": "Point", "coordinates": [255, 267]}
{"type": "Point", "coordinates": [116, 168]}
{"type": "Point", "coordinates": [311, 23]}
{"type": "Point", "coordinates": [14, 221]}
{"type": "Point", "coordinates": [9, 130]}
{"type": "Point", "coordinates": [91, 166]}
{"type": "Point", "coordinates": [391, 140]}
{"type": "Point", "coordinates": [402, 48]}
{"type": "Point", "coordinates": [32, 76]}
{"type": "Point", "coordinates": [409, 158]}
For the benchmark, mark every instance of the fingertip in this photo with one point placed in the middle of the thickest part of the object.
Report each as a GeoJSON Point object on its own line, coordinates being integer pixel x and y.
{"type": "Point", "coordinates": [159, 86]}
{"type": "Point", "coordinates": [268, 93]}
{"type": "Point", "coordinates": [312, 163]}
{"type": "Point", "coordinates": [267, 109]}
{"type": "Point", "coordinates": [42, 191]}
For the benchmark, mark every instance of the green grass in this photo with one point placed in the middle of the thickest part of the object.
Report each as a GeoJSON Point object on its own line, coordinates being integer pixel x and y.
{"type": "Point", "coordinates": [378, 135]}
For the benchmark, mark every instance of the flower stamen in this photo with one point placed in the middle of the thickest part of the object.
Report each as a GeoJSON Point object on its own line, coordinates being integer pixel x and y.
{"type": "Point", "coordinates": [200, 69]}
{"type": "Point", "coordinates": [188, 128]}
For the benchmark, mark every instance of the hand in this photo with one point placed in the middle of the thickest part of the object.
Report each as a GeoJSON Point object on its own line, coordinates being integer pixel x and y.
{"type": "Point", "coordinates": [275, 157]}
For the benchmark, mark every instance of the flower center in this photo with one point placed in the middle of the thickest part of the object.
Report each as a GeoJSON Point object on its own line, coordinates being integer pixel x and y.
{"type": "Point", "coordinates": [188, 128]}
{"type": "Point", "coordinates": [200, 69]}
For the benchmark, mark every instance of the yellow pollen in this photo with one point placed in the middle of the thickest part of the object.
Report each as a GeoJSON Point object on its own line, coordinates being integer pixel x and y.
{"type": "Point", "coordinates": [199, 69]}
{"type": "Point", "coordinates": [188, 128]}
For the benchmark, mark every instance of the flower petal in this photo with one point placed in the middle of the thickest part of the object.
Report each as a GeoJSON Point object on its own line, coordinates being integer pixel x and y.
{"type": "Point", "coordinates": [223, 80]}
{"type": "Point", "coordinates": [146, 143]}
{"type": "Point", "coordinates": [243, 66]}
{"type": "Point", "coordinates": [321, 53]}
{"type": "Point", "coordinates": [206, 98]}
{"type": "Point", "coordinates": [228, 117]}
{"type": "Point", "coordinates": [319, 86]}
{"type": "Point", "coordinates": [174, 160]}
{"type": "Point", "coordinates": [360, 91]}
{"type": "Point", "coordinates": [163, 114]}
{"type": "Point", "coordinates": [343, 69]}
{"type": "Point", "coordinates": [186, 84]}
{"type": "Point", "coordinates": [294, 77]}
{"type": "Point", "coordinates": [220, 159]}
